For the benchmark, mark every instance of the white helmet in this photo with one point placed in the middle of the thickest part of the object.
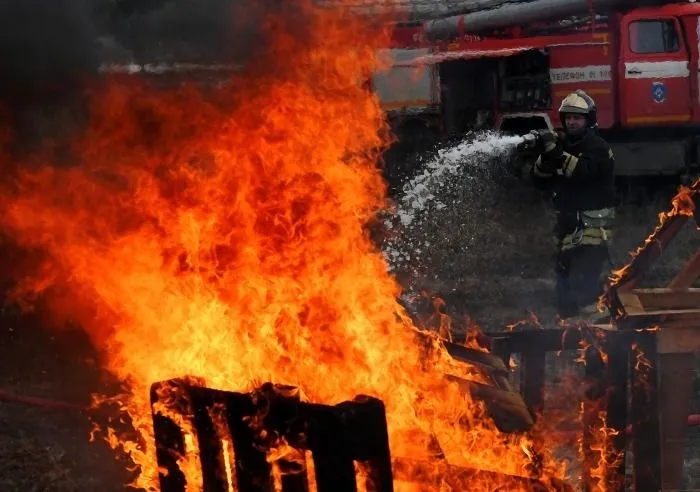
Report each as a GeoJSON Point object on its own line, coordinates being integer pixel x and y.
{"type": "Point", "coordinates": [578, 102]}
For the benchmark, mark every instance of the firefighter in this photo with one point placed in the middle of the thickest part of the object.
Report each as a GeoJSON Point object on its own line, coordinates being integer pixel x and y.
{"type": "Point", "coordinates": [576, 167]}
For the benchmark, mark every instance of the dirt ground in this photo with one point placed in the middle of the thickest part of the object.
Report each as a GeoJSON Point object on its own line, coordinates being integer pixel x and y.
{"type": "Point", "coordinates": [497, 274]}
{"type": "Point", "coordinates": [45, 448]}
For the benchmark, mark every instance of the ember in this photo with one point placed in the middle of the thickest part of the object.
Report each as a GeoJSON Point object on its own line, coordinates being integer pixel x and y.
{"type": "Point", "coordinates": [222, 237]}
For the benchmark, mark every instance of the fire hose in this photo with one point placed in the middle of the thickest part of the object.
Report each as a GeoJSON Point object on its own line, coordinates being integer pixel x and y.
{"type": "Point", "coordinates": [32, 401]}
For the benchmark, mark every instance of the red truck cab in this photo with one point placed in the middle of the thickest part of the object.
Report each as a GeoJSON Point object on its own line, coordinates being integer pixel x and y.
{"type": "Point", "coordinates": [658, 66]}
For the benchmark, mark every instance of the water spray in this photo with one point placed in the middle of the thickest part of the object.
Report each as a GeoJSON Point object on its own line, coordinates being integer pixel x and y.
{"type": "Point", "coordinates": [446, 198]}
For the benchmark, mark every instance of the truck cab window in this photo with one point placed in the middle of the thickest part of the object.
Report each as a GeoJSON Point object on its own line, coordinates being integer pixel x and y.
{"type": "Point", "coordinates": [653, 36]}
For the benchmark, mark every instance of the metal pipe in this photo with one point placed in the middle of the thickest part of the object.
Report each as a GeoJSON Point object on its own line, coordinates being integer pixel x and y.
{"type": "Point", "coordinates": [511, 14]}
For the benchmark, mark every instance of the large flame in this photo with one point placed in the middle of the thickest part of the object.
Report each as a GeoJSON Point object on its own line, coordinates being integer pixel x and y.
{"type": "Point", "coordinates": [223, 236]}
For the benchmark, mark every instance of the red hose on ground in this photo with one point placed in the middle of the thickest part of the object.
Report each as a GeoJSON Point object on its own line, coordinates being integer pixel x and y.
{"type": "Point", "coordinates": [8, 397]}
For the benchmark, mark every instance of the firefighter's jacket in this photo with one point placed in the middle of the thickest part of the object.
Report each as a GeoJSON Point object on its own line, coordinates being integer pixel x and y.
{"type": "Point", "coordinates": [580, 177]}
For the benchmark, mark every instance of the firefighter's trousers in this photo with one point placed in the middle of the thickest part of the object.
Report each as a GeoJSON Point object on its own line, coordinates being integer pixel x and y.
{"type": "Point", "coordinates": [580, 272]}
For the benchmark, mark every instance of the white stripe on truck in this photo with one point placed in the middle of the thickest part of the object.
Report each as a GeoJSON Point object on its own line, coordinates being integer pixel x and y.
{"type": "Point", "coordinates": [657, 70]}
{"type": "Point", "coordinates": [575, 75]}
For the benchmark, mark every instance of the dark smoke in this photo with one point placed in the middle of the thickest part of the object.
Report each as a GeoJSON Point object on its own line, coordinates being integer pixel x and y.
{"type": "Point", "coordinates": [44, 44]}
{"type": "Point", "coordinates": [47, 49]}
{"type": "Point", "coordinates": [203, 31]}
{"type": "Point", "coordinates": [50, 49]}
{"type": "Point", "coordinates": [53, 43]}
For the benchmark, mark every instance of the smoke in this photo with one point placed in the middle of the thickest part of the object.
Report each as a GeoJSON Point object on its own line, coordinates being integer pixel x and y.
{"type": "Point", "coordinates": [51, 44]}
{"type": "Point", "coordinates": [221, 31]}
{"type": "Point", "coordinates": [44, 44]}
{"type": "Point", "coordinates": [52, 50]}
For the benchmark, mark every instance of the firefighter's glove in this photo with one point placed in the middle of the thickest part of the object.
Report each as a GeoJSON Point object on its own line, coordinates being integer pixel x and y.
{"type": "Point", "coordinates": [552, 155]}
{"type": "Point", "coordinates": [549, 141]}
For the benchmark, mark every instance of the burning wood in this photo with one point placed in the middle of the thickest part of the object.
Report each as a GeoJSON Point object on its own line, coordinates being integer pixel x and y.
{"type": "Point", "coordinates": [238, 438]}
{"type": "Point", "coordinates": [683, 207]}
{"type": "Point", "coordinates": [269, 439]}
{"type": "Point", "coordinates": [456, 478]}
{"type": "Point", "coordinates": [661, 324]}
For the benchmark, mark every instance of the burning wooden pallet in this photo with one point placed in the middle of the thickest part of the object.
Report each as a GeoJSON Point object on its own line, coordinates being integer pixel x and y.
{"type": "Point", "coordinates": [270, 440]}
{"type": "Point", "coordinates": [672, 314]}
{"type": "Point", "coordinates": [238, 433]}
{"type": "Point", "coordinates": [649, 346]}
{"type": "Point", "coordinates": [607, 353]}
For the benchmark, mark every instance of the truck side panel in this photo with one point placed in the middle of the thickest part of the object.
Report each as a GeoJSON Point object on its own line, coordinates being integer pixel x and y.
{"type": "Point", "coordinates": [691, 28]}
{"type": "Point", "coordinates": [587, 66]}
{"type": "Point", "coordinates": [406, 88]}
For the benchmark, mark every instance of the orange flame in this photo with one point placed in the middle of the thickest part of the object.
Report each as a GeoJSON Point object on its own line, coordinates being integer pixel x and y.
{"type": "Point", "coordinates": [683, 203]}
{"type": "Point", "coordinates": [222, 236]}
{"type": "Point", "coordinates": [642, 364]}
{"type": "Point", "coordinates": [595, 445]}
{"type": "Point", "coordinates": [531, 320]}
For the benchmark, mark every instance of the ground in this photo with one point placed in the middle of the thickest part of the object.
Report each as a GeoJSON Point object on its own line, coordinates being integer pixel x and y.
{"type": "Point", "coordinates": [44, 448]}
{"type": "Point", "coordinates": [495, 267]}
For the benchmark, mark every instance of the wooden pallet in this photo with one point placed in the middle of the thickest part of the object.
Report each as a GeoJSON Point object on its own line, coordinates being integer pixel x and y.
{"type": "Point", "coordinates": [236, 432]}
{"type": "Point", "coordinates": [672, 313]}
{"type": "Point", "coordinates": [663, 324]}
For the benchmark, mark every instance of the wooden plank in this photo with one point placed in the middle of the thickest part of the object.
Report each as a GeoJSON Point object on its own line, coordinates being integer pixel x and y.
{"type": "Point", "coordinates": [506, 408]}
{"type": "Point", "coordinates": [675, 391]}
{"type": "Point", "coordinates": [650, 251]}
{"type": "Point", "coordinates": [211, 454]}
{"type": "Point", "coordinates": [631, 301]}
{"type": "Point", "coordinates": [617, 349]}
{"type": "Point", "coordinates": [653, 247]}
{"type": "Point", "coordinates": [170, 440]}
{"type": "Point", "coordinates": [670, 313]}
{"type": "Point", "coordinates": [548, 340]}
{"type": "Point", "coordinates": [595, 384]}
{"type": "Point", "coordinates": [605, 327]}
{"type": "Point", "coordinates": [338, 437]}
{"type": "Point", "coordinates": [674, 319]}
{"type": "Point", "coordinates": [488, 362]}
{"type": "Point", "coordinates": [688, 275]}
{"type": "Point", "coordinates": [664, 298]}
{"type": "Point", "coordinates": [252, 470]}
{"type": "Point", "coordinates": [684, 340]}
{"type": "Point", "coordinates": [500, 347]}
{"type": "Point", "coordinates": [679, 324]}
{"type": "Point", "coordinates": [646, 434]}
{"type": "Point", "coordinates": [532, 373]}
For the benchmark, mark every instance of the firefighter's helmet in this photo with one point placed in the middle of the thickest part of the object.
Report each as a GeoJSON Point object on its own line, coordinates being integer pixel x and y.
{"type": "Point", "coordinates": [578, 102]}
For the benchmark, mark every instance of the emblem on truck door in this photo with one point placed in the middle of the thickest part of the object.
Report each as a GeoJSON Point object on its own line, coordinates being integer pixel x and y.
{"type": "Point", "coordinates": [658, 91]}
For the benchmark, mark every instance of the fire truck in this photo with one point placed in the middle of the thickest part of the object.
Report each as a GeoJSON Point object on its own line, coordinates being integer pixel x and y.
{"type": "Point", "coordinates": [640, 64]}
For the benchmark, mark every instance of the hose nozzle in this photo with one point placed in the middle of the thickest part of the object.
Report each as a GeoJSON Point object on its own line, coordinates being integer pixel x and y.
{"type": "Point", "coordinates": [530, 141]}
